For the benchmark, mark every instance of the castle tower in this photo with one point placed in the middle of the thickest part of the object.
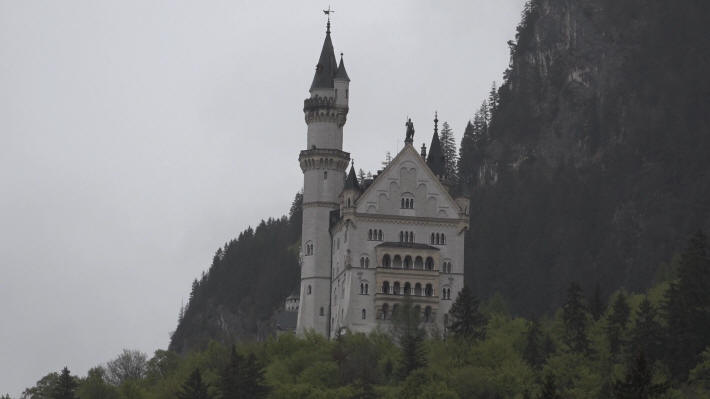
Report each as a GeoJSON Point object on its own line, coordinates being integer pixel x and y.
{"type": "Point", "coordinates": [323, 163]}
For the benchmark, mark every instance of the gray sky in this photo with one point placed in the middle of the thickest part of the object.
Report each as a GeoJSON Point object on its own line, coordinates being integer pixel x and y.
{"type": "Point", "coordinates": [138, 136]}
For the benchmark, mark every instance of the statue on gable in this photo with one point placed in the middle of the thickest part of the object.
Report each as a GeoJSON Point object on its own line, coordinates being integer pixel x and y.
{"type": "Point", "coordinates": [410, 131]}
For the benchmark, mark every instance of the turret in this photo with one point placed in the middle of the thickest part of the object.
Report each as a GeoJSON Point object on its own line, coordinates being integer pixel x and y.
{"type": "Point", "coordinates": [436, 159]}
{"type": "Point", "coordinates": [351, 191]}
{"type": "Point", "coordinates": [341, 83]}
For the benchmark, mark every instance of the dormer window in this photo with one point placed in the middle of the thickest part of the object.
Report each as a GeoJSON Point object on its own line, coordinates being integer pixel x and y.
{"type": "Point", "coordinates": [407, 201]}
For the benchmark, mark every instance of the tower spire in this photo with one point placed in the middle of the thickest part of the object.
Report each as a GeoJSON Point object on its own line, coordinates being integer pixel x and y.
{"type": "Point", "coordinates": [328, 12]}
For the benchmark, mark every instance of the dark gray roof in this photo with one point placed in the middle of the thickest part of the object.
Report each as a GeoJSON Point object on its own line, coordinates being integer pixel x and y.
{"type": "Point", "coordinates": [327, 66]}
{"type": "Point", "coordinates": [286, 320]}
{"type": "Point", "coordinates": [351, 181]}
{"type": "Point", "coordinates": [341, 73]}
{"type": "Point", "coordinates": [414, 245]}
{"type": "Point", "coordinates": [435, 159]}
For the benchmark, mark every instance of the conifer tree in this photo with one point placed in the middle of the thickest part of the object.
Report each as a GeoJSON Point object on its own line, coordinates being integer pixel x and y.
{"type": "Point", "coordinates": [448, 146]}
{"type": "Point", "coordinates": [232, 381]}
{"type": "Point", "coordinates": [549, 389]}
{"type": "Point", "coordinates": [533, 352]}
{"type": "Point", "coordinates": [647, 335]}
{"type": "Point", "coordinates": [597, 307]}
{"type": "Point", "coordinates": [467, 160]}
{"type": "Point", "coordinates": [638, 382]}
{"type": "Point", "coordinates": [194, 388]}
{"type": "Point", "coordinates": [255, 387]}
{"type": "Point", "coordinates": [407, 330]}
{"type": "Point", "coordinates": [616, 324]}
{"type": "Point", "coordinates": [688, 308]}
{"type": "Point", "coordinates": [65, 387]}
{"type": "Point", "coordinates": [466, 319]}
{"type": "Point", "coordinates": [574, 315]}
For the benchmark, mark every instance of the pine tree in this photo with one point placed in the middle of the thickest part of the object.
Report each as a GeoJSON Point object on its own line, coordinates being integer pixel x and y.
{"type": "Point", "coordinates": [232, 381]}
{"type": "Point", "coordinates": [65, 387]}
{"type": "Point", "coordinates": [647, 335]}
{"type": "Point", "coordinates": [549, 389]}
{"type": "Point", "coordinates": [448, 146]}
{"type": "Point", "coordinates": [597, 307]}
{"type": "Point", "coordinates": [253, 376]}
{"type": "Point", "coordinates": [466, 319]}
{"type": "Point", "coordinates": [407, 330]}
{"type": "Point", "coordinates": [616, 323]}
{"type": "Point", "coordinates": [468, 156]}
{"type": "Point", "coordinates": [493, 101]}
{"type": "Point", "coordinates": [360, 176]}
{"type": "Point", "coordinates": [687, 308]}
{"type": "Point", "coordinates": [532, 353]}
{"type": "Point", "coordinates": [574, 315]}
{"type": "Point", "coordinates": [638, 382]}
{"type": "Point", "coordinates": [194, 388]}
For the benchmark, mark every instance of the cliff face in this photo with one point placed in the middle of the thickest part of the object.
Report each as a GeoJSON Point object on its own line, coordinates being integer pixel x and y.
{"type": "Point", "coordinates": [596, 166]}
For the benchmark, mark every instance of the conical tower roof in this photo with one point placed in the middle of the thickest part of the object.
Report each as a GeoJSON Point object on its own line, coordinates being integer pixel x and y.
{"type": "Point", "coordinates": [351, 181]}
{"type": "Point", "coordinates": [341, 73]}
{"type": "Point", "coordinates": [327, 65]}
{"type": "Point", "coordinates": [436, 159]}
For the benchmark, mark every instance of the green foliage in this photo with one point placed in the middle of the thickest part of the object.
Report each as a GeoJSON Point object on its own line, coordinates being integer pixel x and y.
{"type": "Point", "coordinates": [467, 321]}
{"type": "Point", "coordinates": [549, 389]}
{"type": "Point", "coordinates": [43, 388]}
{"type": "Point", "coordinates": [448, 147]}
{"type": "Point", "coordinates": [533, 352]}
{"type": "Point", "coordinates": [575, 319]}
{"type": "Point", "coordinates": [194, 388]}
{"type": "Point", "coordinates": [65, 387]}
{"type": "Point", "coordinates": [616, 323]}
{"type": "Point", "coordinates": [638, 383]}
{"type": "Point", "coordinates": [409, 334]}
{"type": "Point", "coordinates": [647, 334]}
{"type": "Point", "coordinates": [597, 307]}
{"type": "Point", "coordinates": [95, 386]}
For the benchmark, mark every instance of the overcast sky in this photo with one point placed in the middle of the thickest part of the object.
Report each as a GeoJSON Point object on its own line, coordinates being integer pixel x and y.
{"type": "Point", "coordinates": [137, 136]}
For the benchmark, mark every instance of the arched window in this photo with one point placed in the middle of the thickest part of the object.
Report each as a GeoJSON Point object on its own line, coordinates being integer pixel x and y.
{"type": "Point", "coordinates": [407, 262]}
{"type": "Point", "coordinates": [433, 239]}
{"type": "Point", "coordinates": [407, 288]}
{"type": "Point", "coordinates": [364, 314]}
{"type": "Point", "coordinates": [397, 262]}
{"type": "Point", "coordinates": [395, 288]}
{"type": "Point", "coordinates": [418, 263]}
{"type": "Point", "coordinates": [401, 236]}
{"type": "Point", "coordinates": [348, 202]}
{"type": "Point", "coordinates": [325, 175]}
{"type": "Point", "coordinates": [379, 236]}
{"type": "Point", "coordinates": [403, 203]}
{"type": "Point", "coordinates": [308, 290]}
{"type": "Point", "coordinates": [427, 314]}
{"type": "Point", "coordinates": [418, 289]}
{"type": "Point", "coordinates": [428, 290]}
{"type": "Point", "coordinates": [366, 290]}
{"type": "Point", "coordinates": [411, 236]}
{"type": "Point", "coordinates": [437, 238]}
{"type": "Point", "coordinates": [322, 312]}
{"type": "Point", "coordinates": [443, 239]}
{"type": "Point", "coordinates": [430, 263]}
{"type": "Point", "coordinates": [362, 262]}
{"type": "Point", "coordinates": [362, 289]}
{"type": "Point", "coordinates": [367, 263]}
{"type": "Point", "coordinates": [386, 261]}
{"type": "Point", "coordinates": [369, 234]}
{"type": "Point", "coordinates": [395, 310]}
{"type": "Point", "coordinates": [386, 287]}
{"type": "Point", "coordinates": [385, 311]}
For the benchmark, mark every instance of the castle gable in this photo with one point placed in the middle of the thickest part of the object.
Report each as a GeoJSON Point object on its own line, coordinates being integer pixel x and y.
{"type": "Point", "coordinates": [407, 187]}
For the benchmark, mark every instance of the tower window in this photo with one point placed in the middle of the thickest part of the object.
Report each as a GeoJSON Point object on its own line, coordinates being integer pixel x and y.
{"type": "Point", "coordinates": [325, 175]}
{"type": "Point", "coordinates": [308, 290]}
{"type": "Point", "coordinates": [364, 314]}
{"type": "Point", "coordinates": [322, 312]}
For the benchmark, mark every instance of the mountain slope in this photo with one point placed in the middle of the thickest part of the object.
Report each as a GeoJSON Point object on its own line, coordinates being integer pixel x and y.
{"type": "Point", "coordinates": [595, 164]}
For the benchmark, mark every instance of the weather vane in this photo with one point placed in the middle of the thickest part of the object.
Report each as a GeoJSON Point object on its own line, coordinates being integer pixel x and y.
{"type": "Point", "coordinates": [328, 12]}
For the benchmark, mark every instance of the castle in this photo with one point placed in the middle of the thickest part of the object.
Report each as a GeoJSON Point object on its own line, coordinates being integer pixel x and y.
{"type": "Point", "coordinates": [366, 246]}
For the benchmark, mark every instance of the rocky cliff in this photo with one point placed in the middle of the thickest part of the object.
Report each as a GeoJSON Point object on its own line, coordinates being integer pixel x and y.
{"type": "Point", "coordinates": [596, 163]}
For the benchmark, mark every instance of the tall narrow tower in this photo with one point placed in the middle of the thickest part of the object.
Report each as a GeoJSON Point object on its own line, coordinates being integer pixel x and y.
{"type": "Point", "coordinates": [323, 163]}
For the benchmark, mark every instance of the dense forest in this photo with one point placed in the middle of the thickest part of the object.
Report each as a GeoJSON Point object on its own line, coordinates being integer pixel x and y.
{"type": "Point", "coordinates": [590, 161]}
{"type": "Point", "coordinates": [628, 345]}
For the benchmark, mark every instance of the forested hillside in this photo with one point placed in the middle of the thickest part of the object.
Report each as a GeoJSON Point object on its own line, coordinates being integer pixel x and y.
{"type": "Point", "coordinates": [590, 162]}
{"type": "Point", "coordinates": [249, 278]}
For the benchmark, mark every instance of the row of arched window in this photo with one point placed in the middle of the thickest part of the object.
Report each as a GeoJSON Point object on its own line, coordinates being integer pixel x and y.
{"type": "Point", "coordinates": [407, 263]}
{"type": "Point", "coordinates": [398, 289]}
{"type": "Point", "coordinates": [364, 262]}
{"type": "Point", "coordinates": [407, 203]}
{"type": "Point", "coordinates": [406, 236]}
{"type": "Point", "coordinates": [446, 267]}
{"type": "Point", "coordinates": [438, 239]}
{"type": "Point", "coordinates": [364, 289]}
{"type": "Point", "coordinates": [385, 313]}
{"type": "Point", "coordinates": [374, 235]}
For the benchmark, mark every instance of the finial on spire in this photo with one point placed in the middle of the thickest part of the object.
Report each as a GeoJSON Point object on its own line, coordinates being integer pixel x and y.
{"type": "Point", "coordinates": [436, 122]}
{"type": "Point", "coordinates": [328, 12]}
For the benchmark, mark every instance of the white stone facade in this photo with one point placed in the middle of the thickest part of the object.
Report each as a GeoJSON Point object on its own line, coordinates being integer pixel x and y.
{"type": "Point", "coordinates": [364, 251]}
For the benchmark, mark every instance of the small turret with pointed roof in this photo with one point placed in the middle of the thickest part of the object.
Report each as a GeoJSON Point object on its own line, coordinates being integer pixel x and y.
{"type": "Point", "coordinates": [341, 73]}
{"type": "Point", "coordinates": [351, 182]}
{"type": "Point", "coordinates": [436, 159]}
